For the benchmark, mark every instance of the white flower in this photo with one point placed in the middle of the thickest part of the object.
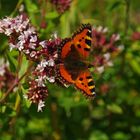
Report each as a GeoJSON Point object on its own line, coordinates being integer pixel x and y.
{"type": "Point", "coordinates": [100, 28]}
{"type": "Point", "coordinates": [26, 51]}
{"type": "Point", "coordinates": [51, 62]}
{"type": "Point", "coordinates": [66, 85]}
{"type": "Point", "coordinates": [54, 35]}
{"type": "Point", "coordinates": [20, 45]}
{"type": "Point", "coordinates": [31, 30]}
{"type": "Point", "coordinates": [107, 56]}
{"type": "Point", "coordinates": [21, 8]}
{"type": "Point", "coordinates": [121, 47]}
{"type": "Point", "coordinates": [116, 37]}
{"type": "Point", "coordinates": [43, 44]}
{"type": "Point", "coordinates": [19, 24]}
{"type": "Point", "coordinates": [109, 63]}
{"type": "Point", "coordinates": [105, 30]}
{"type": "Point", "coordinates": [25, 24]}
{"type": "Point", "coordinates": [33, 38]}
{"type": "Point", "coordinates": [12, 46]}
{"type": "Point", "coordinates": [8, 31]}
{"type": "Point", "coordinates": [25, 96]}
{"type": "Point", "coordinates": [6, 21]}
{"type": "Point", "coordinates": [33, 53]}
{"type": "Point", "coordinates": [26, 33]}
{"type": "Point", "coordinates": [41, 104]}
{"type": "Point", "coordinates": [100, 69]}
{"type": "Point", "coordinates": [42, 65]}
{"type": "Point", "coordinates": [51, 79]}
{"type": "Point", "coordinates": [40, 80]}
{"type": "Point", "coordinates": [55, 55]}
{"type": "Point", "coordinates": [32, 45]}
{"type": "Point", "coordinates": [22, 38]}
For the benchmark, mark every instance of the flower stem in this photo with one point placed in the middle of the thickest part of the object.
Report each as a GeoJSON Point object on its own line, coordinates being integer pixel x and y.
{"type": "Point", "coordinates": [15, 83]}
{"type": "Point", "coordinates": [126, 27]}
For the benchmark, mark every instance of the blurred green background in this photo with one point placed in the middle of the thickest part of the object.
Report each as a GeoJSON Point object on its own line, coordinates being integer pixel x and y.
{"type": "Point", "coordinates": [115, 113]}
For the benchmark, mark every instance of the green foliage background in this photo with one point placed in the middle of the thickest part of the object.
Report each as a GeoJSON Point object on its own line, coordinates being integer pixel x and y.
{"type": "Point", "coordinates": [114, 115]}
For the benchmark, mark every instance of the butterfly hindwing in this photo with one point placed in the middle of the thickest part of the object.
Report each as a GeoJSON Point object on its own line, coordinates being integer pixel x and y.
{"type": "Point", "coordinates": [82, 40]}
{"type": "Point", "coordinates": [63, 75]}
{"type": "Point", "coordinates": [85, 83]}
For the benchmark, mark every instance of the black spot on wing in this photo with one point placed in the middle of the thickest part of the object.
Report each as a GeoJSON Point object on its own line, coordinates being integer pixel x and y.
{"type": "Point", "coordinates": [88, 42]}
{"type": "Point", "coordinates": [91, 83]}
{"type": "Point", "coordinates": [92, 90]}
{"type": "Point", "coordinates": [81, 79]}
{"type": "Point", "coordinates": [89, 34]}
{"type": "Point", "coordinates": [87, 49]}
{"type": "Point", "coordinates": [79, 46]}
{"type": "Point", "coordinates": [72, 45]}
{"type": "Point", "coordinates": [89, 77]}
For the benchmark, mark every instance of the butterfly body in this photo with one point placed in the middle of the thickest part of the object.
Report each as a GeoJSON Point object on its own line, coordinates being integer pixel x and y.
{"type": "Point", "coordinates": [72, 67]}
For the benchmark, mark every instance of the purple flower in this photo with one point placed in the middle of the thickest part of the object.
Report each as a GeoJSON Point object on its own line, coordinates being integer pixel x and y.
{"type": "Point", "coordinates": [61, 5]}
{"type": "Point", "coordinates": [103, 48]}
{"type": "Point", "coordinates": [37, 93]}
{"type": "Point", "coordinates": [22, 35]}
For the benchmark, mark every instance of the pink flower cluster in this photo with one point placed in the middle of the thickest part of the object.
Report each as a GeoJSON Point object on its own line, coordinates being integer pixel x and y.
{"type": "Point", "coordinates": [23, 37]}
{"type": "Point", "coordinates": [103, 48]}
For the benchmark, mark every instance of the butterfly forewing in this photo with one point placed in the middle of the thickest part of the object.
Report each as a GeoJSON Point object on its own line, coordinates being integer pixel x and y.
{"type": "Point", "coordinates": [82, 40]}
{"type": "Point", "coordinates": [64, 48]}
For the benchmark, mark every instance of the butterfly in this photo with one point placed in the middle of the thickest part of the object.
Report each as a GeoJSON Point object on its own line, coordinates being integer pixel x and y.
{"type": "Point", "coordinates": [72, 68]}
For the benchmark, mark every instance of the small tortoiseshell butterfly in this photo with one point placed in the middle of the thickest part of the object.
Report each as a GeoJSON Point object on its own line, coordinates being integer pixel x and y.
{"type": "Point", "coordinates": [72, 68]}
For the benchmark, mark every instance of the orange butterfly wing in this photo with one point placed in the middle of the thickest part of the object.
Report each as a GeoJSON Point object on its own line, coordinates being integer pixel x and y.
{"type": "Point", "coordinates": [64, 48]}
{"type": "Point", "coordinates": [61, 72]}
{"type": "Point", "coordinates": [82, 40]}
{"type": "Point", "coordinates": [63, 75]}
{"type": "Point", "coordinates": [85, 83]}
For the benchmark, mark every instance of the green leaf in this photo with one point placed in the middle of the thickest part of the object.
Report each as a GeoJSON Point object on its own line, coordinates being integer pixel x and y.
{"type": "Point", "coordinates": [12, 62]}
{"type": "Point", "coordinates": [98, 135]}
{"type": "Point", "coordinates": [52, 15]}
{"type": "Point", "coordinates": [121, 136]}
{"type": "Point", "coordinates": [32, 8]}
{"type": "Point", "coordinates": [133, 62]}
{"type": "Point", "coordinates": [98, 113]}
{"type": "Point", "coordinates": [24, 66]}
{"type": "Point", "coordinates": [115, 5]}
{"type": "Point", "coordinates": [115, 108]}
